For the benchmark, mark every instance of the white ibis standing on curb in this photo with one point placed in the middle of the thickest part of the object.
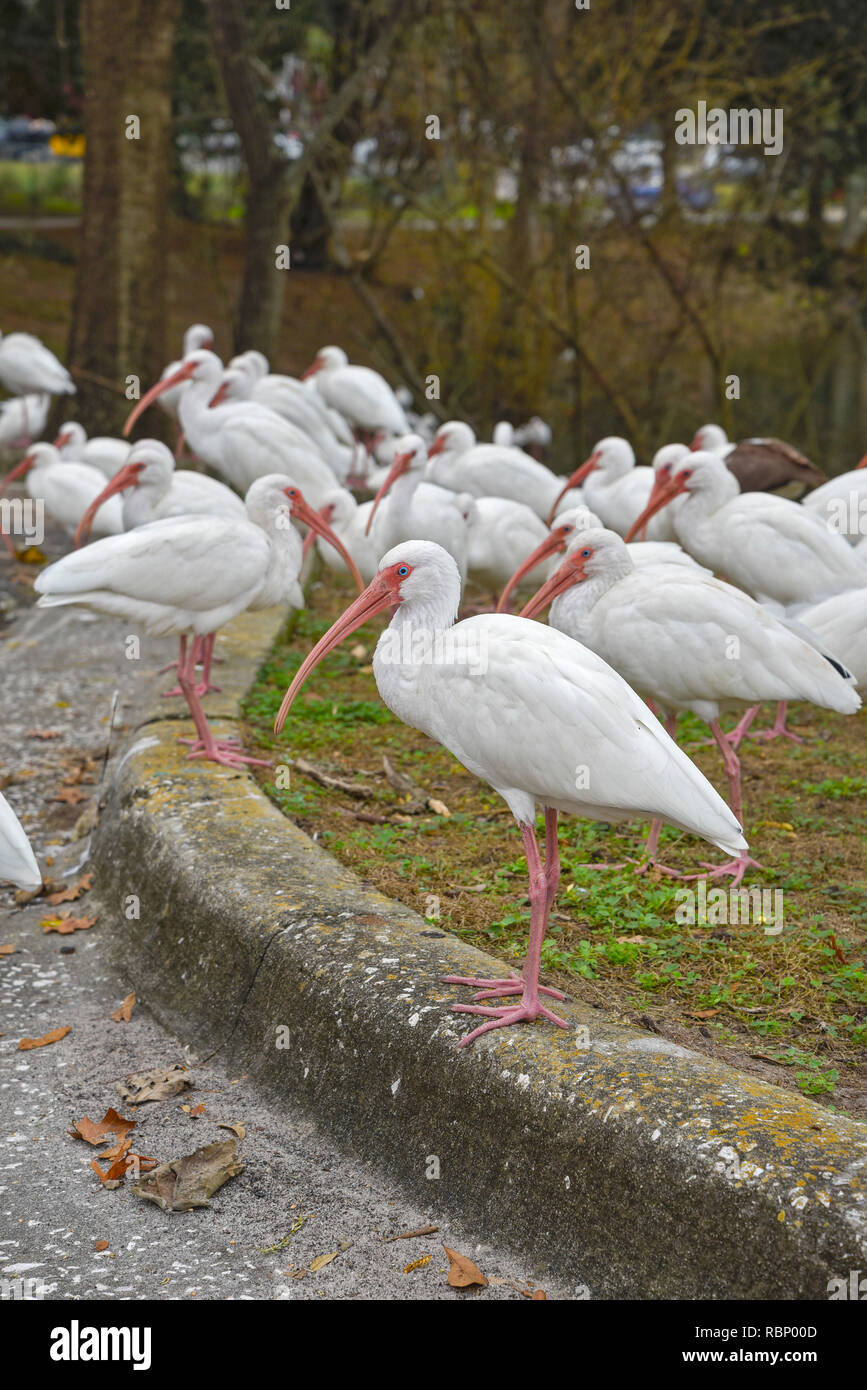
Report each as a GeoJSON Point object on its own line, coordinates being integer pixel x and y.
{"type": "Point", "coordinates": [242, 441]}
{"type": "Point", "coordinates": [17, 861]}
{"type": "Point", "coordinates": [760, 465]}
{"type": "Point", "coordinates": [101, 451]}
{"type": "Point", "coordinates": [458, 462]}
{"type": "Point", "coordinates": [188, 576]}
{"type": "Point", "coordinates": [541, 719]}
{"type": "Point", "coordinates": [772, 547]}
{"type": "Point", "coordinates": [27, 365]}
{"type": "Point", "coordinates": [66, 488]}
{"type": "Point", "coordinates": [686, 641]}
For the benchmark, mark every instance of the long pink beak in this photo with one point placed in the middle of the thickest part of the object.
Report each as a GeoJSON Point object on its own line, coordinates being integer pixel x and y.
{"type": "Point", "coordinates": [380, 593]}
{"type": "Point", "coordinates": [184, 373]}
{"type": "Point", "coordinates": [318, 525]}
{"type": "Point", "coordinates": [61, 439]}
{"type": "Point", "coordinates": [574, 480]}
{"type": "Point", "coordinates": [125, 477]}
{"type": "Point", "coordinates": [570, 572]}
{"type": "Point", "coordinates": [314, 367]}
{"type": "Point", "coordinates": [400, 465]}
{"type": "Point", "coordinates": [863, 463]}
{"type": "Point", "coordinates": [219, 395]}
{"type": "Point", "coordinates": [18, 471]}
{"type": "Point", "coordinates": [437, 447]}
{"type": "Point", "coordinates": [551, 545]}
{"type": "Point", "coordinates": [326, 513]}
{"type": "Point", "coordinates": [660, 496]}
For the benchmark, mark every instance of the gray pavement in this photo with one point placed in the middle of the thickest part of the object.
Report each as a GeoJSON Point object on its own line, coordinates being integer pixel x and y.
{"type": "Point", "coordinates": [297, 1198]}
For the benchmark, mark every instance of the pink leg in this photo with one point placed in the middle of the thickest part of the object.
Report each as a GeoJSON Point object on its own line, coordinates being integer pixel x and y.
{"type": "Point", "coordinates": [736, 867]}
{"type": "Point", "coordinates": [203, 652]}
{"type": "Point", "coordinates": [543, 885]}
{"type": "Point", "coordinates": [779, 730]}
{"type": "Point", "coordinates": [206, 746]}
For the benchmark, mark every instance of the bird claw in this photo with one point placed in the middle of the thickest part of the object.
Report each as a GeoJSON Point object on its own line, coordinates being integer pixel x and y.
{"type": "Point", "coordinates": [504, 1017]}
{"type": "Point", "coordinates": [222, 751]}
{"type": "Point", "coordinates": [767, 735]}
{"type": "Point", "coordinates": [645, 866]}
{"type": "Point", "coordinates": [496, 989]}
{"type": "Point", "coordinates": [736, 867]}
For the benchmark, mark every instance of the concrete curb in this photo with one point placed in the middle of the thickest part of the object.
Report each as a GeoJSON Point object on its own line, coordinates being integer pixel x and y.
{"type": "Point", "coordinates": [629, 1165]}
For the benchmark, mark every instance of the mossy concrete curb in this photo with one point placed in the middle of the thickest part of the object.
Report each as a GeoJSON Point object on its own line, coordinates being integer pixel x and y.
{"type": "Point", "coordinates": [626, 1163]}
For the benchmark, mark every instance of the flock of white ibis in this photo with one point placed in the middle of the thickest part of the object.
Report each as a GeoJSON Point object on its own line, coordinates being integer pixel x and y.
{"type": "Point", "coordinates": [698, 583]}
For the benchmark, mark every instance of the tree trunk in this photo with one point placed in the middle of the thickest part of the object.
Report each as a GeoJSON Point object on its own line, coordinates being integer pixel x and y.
{"type": "Point", "coordinates": [119, 309]}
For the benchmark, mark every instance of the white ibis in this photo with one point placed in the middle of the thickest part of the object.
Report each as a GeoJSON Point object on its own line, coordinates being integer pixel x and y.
{"type": "Point", "coordinates": [566, 525]}
{"type": "Point", "coordinates": [188, 576]}
{"type": "Point", "coordinates": [774, 548]}
{"type": "Point", "coordinates": [501, 534]}
{"type": "Point", "coordinates": [458, 462]}
{"type": "Point", "coordinates": [17, 861]}
{"type": "Point", "coordinates": [436, 515]}
{"type": "Point", "coordinates": [529, 711]}
{"type": "Point", "coordinates": [841, 502]}
{"type": "Point", "coordinates": [198, 335]}
{"type": "Point", "coordinates": [686, 641]}
{"type": "Point", "coordinates": [615, 489]}
{"type": "Point", "coordinates": [27, 365]}
{"type": "Point", "coordinates": [101, 451]}
{"type": "Point", "coordinates": [348, 520]}
{"type": "Point", "coordinates": [242, 440]}
{"type": "Point", "coordinates": [22, 419]}
{"type": "Point", "coordinates": [151, 489]}
{"type": "Point", "coordinates": [535, 436]}
{"type": "Point", "coordinates": [840, 623]}
{"type": "Point", "coordinates": [291, 399]}
{"type": "Point", "coordinates": [760, 465]}
{"type": "Point", "coordinates": [361, 395]}
{"type": "Point", "coordinates": [503, 434]}
{"type": "Point", "coordinates": [66, 488]}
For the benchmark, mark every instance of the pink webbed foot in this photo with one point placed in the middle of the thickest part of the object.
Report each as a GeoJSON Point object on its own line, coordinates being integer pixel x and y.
{"type": "Point", "coordinates": [648, 866]}
{"type": "Point", "coordinates": [203, 688]}
{"type": "Point", "coordinates": [505, 1017]}
{"type": "Point", "coordinates": [497, 989]}
{"type": "Point", "coordinates": [736, 867]}
{"type": "Point", "coordinates": [768, 735]}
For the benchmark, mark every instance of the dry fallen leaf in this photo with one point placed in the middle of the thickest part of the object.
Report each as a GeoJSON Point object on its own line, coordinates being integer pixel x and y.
{"type": "Point", "coordinates": [701, 1013]}
{"type": "Point", "coordinates": [462, 1271]}
{"type": "Point", "coordinates": [540, 1293]}
{"type": "Point", "coordinates": [157, 1084]}
{"type": "Point", "coordinates": [439, 808]}
{"type": "Point", "coordinates": [73, 892]}
{"type": "Point", "coordinates": [112, 1177]}
{"type": "Point", "coordinates": [124, 1013]}
{"type": "Point", "coordinates": [45, 1041]}
{"type": "Point", "coordinates": [97, 1133]}
{"type": "Point", "coordinates": [417, 1264]}
{"type": "Point", "coordinates": [43, 733]}
{"type": "Point", "coordinates": [7, 950]}
{"type": "Point", "coordinates": [71, 796]}
{"type": "Point", "coordinates": [236, 1128]}
{"type": "Point", "coordinates": [199, 1110]}
{"type": "Point", "coordinates": [188, 1182]}
{"type": "Point", "coordinates": [30, 555]}
{"type": "Point", "coordinates": [66, 924]}
{"type": "Point", "coordinates": [632, 940]}
{"type": "Point", "coordinates": [322, 1260]}
{"type": "Point", "coordinates": [101, 1245]}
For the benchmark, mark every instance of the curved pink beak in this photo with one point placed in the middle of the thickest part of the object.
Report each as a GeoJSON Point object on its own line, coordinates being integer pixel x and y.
{"type": "Point", "coordinates": [62, 439]}
{"type": "Point", "coordinates": [574, 480]}
{"type": "Point", "coordinates": [326, 513]}
{"type": "Point", "coordinates": [400, 465]}
{"type": "Point", "coordinates": [380, 593]}
{"type": "Point", "coordinates": [437, 446]}
{"type": "Point", "coordinates": [551, 545]}
{"type": "Point", "coordinates": [18, 471]}
{"type": "Point", "coordinates": [696, 443]}
{"type": "Point", "coordinates": [184, 373]}
{"type": "Point", "coordinates": [219, 395]}
{"type": "Point", "coordinates": [863, 463]}
{"type": "Point", "coordinates": [315, 366]}
{"type": "Point", "coordinates": [660, 496]}
{"type": "Point", "coordinates": [125, 477]}
{"type": "Point", "coordinates": [570, 572]}
{"type": "Point", "coordinates": [318, 525]}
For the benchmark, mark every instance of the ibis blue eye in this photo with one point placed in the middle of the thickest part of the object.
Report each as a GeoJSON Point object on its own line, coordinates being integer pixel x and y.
{"type": "Point", "coordinates": [403, 569]}
{"type": "Point", "coordinates": [585, 554]}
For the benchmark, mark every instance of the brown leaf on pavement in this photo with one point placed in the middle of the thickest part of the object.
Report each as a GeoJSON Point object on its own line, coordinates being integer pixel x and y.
{"type": "Point", "coordinates": [70, 795]}
{"type": "Point", "coordinates": [100, 1246]}
{"type": "Point", "coordinates": [97, 1133]}
{"type": "Point", "coordinates": [124, 1013]}
{"type": "Point", "coordinates": [45, 1041]}
{"type": "Point", "coordinates": [235, 1127]}
{"type": "Point", "coordinates": [43, 733]}
{"type": "Point", "coordinates": [462, 1272]}
{"type": "Point", "coordinates": [157, 1084]}
{"type": "Point", "coordinates": [66, 924]}
{"type": "Point", "coordinates": [7, 950]}
{"type": "Point", "coordinates": [72, 893]}
{"type": "Point", "coordinates": [189, 1182]}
